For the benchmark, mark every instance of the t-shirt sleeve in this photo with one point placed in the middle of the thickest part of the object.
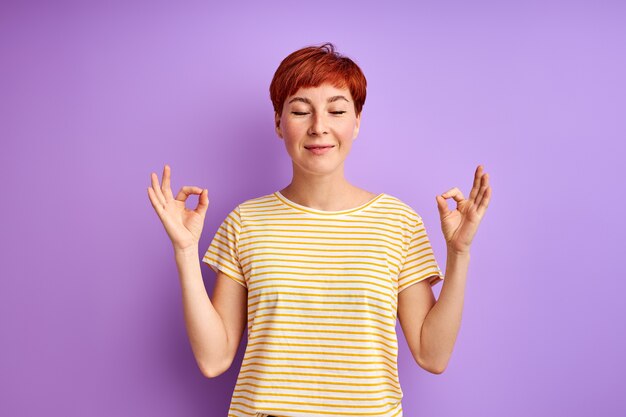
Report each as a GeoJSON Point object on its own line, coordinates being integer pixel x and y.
{"type": "Point", "coordinates": [223, 252]}
{"type": "Point", "coordinates": [419, 263]}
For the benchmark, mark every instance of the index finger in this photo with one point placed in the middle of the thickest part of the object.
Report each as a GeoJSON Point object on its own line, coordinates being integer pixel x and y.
{"type": "Point", "coordinates": [476, 185]}
{"type": "Point", "coordinates": [166, 187]}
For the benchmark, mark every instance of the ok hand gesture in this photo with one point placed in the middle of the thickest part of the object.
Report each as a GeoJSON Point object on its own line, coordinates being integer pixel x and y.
{"type": "Point", "coordinates": [182, 225]}
{"type": "Point", "coordinates": [460, 225]}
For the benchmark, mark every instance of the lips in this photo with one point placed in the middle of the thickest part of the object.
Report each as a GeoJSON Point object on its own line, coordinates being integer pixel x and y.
{"type": "Point", "coordinates": [319, 149]}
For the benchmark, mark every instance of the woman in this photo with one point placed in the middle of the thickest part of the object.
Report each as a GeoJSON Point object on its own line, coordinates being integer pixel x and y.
{"type": "Point", "coordinates": [321, 269]}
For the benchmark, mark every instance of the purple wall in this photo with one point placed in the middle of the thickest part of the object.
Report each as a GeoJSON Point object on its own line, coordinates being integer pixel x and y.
{"type": "Point", "coordinates": [94, 98]}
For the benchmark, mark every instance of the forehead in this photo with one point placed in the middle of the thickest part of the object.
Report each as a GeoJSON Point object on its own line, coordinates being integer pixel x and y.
{"type": "Point", "coordinates": [321, 93]}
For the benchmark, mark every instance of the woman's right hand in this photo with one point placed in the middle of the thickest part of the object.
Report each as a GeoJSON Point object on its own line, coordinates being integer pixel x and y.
{"type": "Point", "coordinates": [182, 225]}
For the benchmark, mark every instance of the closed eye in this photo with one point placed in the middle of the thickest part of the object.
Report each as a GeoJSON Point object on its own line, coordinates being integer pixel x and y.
{"type": "Point", "coordinates": [299, 113]}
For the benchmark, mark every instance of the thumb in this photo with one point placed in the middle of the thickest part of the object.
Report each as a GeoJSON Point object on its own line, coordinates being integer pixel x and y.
{"type": "Point", "coordinates": [442, 205]}
{"type": "Point", "coordinates": [203, 202]}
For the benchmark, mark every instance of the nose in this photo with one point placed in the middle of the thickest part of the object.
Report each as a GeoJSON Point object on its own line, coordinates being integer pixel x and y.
{"type": "Point", "coordinates": [318, 125]}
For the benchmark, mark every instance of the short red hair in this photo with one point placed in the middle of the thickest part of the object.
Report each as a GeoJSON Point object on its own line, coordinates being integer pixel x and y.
{"type": "Point", "coordinates": [312, 66]}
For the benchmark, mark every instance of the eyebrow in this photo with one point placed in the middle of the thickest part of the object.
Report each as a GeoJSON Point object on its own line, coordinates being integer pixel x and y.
{"type": "Point", "coordinates": [330, 100]}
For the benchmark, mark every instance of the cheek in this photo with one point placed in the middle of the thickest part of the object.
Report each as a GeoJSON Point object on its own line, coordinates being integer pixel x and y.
{"type": "Point", "coordinates": [293, 130]}
{"type": "Point", "coordinates": [346, 132]}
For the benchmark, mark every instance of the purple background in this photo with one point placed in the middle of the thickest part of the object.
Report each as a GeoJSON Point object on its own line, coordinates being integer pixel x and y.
{"type": "Point", "coordinates": [93, 98]}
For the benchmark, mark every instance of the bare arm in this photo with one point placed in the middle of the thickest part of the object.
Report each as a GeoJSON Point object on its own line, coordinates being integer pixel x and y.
{"type": "Point", "coordinates": [443, 321]}
{"type": "Point", "coordinates": [431, 326]}
{"type": "Point", "coordinates": [205, 327]}
{"type": "Point", "coordinates": [414, 303]}
{"type": "Point", "coordinates": [215, 327]}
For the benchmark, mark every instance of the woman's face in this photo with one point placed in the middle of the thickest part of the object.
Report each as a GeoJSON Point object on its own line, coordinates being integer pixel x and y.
{"type": "Point", "coordinates": [315, 116]}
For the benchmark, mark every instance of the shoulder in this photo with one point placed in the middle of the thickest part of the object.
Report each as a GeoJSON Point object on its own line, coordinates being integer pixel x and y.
{"type": "Point", "coordinates": [255, 201]}
{"type": "Point", "coordinates": [256, 204]}
{"type": "Point", "coordinates": [398, 205]}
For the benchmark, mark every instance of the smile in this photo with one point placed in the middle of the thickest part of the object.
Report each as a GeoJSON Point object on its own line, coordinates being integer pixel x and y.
{"type": "Point", "coordinates": [319, 150]}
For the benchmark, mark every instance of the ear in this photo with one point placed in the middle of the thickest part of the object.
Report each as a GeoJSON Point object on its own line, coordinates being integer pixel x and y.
{"type": "Point", "coordinates": [357, 126]}
{"type": "Point", "coordinates": [279, 131]}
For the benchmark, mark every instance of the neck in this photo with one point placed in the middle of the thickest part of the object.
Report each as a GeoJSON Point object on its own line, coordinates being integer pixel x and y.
{"type": "Point", "coordinates": [323, 192]}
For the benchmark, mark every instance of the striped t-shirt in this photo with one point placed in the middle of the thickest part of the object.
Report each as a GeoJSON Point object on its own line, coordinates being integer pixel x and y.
{"type": "Point", "coordinates": [322, 303]}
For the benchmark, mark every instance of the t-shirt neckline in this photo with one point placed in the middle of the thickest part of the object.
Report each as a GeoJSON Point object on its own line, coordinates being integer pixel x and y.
{"type": "Point", "coordinates": [311, 210]}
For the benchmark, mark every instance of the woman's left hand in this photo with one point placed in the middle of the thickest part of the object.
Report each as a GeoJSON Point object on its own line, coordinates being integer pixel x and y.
{"type": "Point", "coordinates": [460, 225]}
